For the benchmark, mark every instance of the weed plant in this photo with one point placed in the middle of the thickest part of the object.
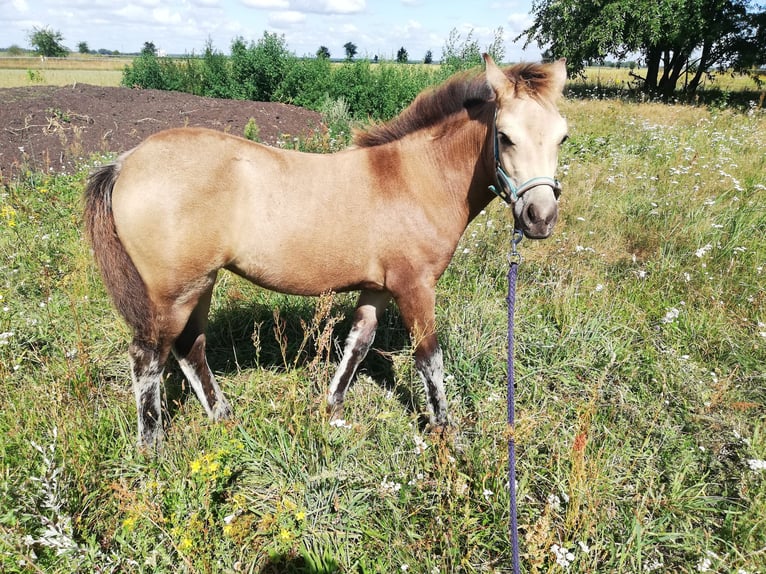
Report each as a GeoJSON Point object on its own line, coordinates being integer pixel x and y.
{"type": "Point", "coordinates": [641, 351]}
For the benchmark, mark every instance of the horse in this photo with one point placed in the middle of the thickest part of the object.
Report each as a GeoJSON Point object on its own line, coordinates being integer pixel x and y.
{"type": "Point", "coordinates": [382, 217]}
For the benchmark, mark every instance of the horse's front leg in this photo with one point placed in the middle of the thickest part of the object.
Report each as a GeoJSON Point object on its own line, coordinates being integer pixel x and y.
{"type": "Point", "coordinates": [369, 309]}
{"type": "Point", "coordinates": [417, 309]}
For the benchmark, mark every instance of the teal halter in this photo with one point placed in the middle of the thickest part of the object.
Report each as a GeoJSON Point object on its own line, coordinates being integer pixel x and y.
{"type": "Point", "coordinates": [506, 190]}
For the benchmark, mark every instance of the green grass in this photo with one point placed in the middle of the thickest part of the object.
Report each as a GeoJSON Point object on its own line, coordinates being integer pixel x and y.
{"type": "Point", "coordinates": [32, 71]}
{"type": "Point", "coordinates": [640, 372]}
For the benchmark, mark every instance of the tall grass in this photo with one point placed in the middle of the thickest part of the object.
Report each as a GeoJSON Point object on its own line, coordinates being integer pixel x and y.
{"type": "Point", "coordinates": [641, 346]}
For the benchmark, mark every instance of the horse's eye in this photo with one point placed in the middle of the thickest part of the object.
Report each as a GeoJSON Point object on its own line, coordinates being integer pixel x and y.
{"type": "Point", "coordinates": [565, 138]}
{"type": "Point", "coordinates": [504, 139]}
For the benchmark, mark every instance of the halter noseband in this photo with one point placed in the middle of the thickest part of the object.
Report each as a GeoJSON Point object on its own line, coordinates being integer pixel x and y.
{"type": "Point", "coordinates": [505, 189]}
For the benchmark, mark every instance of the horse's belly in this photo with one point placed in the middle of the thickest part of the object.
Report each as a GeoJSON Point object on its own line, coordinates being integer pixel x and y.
{"type": "Point", "coordinates": [307, 272]}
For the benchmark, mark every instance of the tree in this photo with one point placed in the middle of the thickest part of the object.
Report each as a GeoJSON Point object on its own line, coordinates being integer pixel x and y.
{"type": "Point", "coordinates": [323, 52]}
{"type": "Point", "coordinates": [149, 49]}
{"type": "Point", "coordinates": [82, 48]}
{"type": "Point", "coordinates": [673, 37]}
{"type": "Point", "coordinates": [350, 48]}
{"type": "Point", "coordinates": [429, 58]}
{"type": "Point", "coordinates": [402, 56]}
{"type": "Point", "coordinates": [47, 42]}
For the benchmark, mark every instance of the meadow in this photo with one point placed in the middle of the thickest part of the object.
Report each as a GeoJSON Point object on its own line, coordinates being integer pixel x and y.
{"type": "Point", "coordinates": [34, 71]}
{"type": "Point", "coordinates": [641, 368]}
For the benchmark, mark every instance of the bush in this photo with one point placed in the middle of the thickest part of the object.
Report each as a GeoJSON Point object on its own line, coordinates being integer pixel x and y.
{"type": "Point", "coordinates": [306, 82]}
{"type": "Point", "coordinates": [258, 69]}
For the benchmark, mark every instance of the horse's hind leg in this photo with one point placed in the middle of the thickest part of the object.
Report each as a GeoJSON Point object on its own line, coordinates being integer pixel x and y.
{"type": "Point", "coordinates": [189, 350]}
{"type": "Point", "coordinates": [369, 308]}
{"type": "Point", "coordinates": [147, 361]}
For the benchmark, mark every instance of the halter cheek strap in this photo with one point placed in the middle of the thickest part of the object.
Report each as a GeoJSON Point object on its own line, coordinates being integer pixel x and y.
{"type": "Point", "coordinates": [506, 190]}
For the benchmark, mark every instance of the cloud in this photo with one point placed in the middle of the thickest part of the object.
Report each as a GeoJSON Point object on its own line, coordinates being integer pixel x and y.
{"type": "Point", "coordinates": [268, 4]}
{"type": "Point", "coordinates": [286, 18]}
{"type": "Point", "coordinates": [166, 16]}
{"type": "Point", "coordinates": [310, 6]}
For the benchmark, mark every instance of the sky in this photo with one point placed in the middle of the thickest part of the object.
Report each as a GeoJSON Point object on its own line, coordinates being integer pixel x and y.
{"type": "Point", "coordinates": [376, 27]}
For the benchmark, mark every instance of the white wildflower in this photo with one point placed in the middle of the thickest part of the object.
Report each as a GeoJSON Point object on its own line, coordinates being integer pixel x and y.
{"type": "Point", "coordinates": [340, 424]}
{"type": "Point", "coordinates": [420, 445]}
{"type": "Point", "coordinates": [389, 488]}
{"type": "Point", "coordinates": [671, 315]}
{"type": "Point", "coordinates": [702, 251]}
{"type": "Point", "coordinates": [487, 494]}
{"type": "Point", "coordinates": [563, 556]}
{"type": "Point", "coordinates": [756, 464]}
{"type": "Point", "coordinates": [554, 502]}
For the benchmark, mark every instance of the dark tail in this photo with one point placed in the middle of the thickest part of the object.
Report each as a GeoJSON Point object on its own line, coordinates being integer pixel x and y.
{"type": "Point", "coordinates": [120, 275]}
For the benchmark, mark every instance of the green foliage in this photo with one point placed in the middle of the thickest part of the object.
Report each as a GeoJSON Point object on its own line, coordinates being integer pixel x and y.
{"type": "Point", "coordinates": [82, 48]}
{"type": "Point", "coordinates": [460, 53]}
{"type": "Point", "coordinates": [350, 49]}
{"type": "Point", "coordinates": [402, 56]}
{"type": "Point", "coordinates": [258, 69]}
{"type": "Point", "coordinates": [252, 132]}
{"type": "Point", "coordinates": [47, 42]}
{"type": "Point", "coordinates": [672, 37]}
{"type": "Point", "coordinates": [306, 82]}
{"type": "Point", "coordinates": [215, 74]}
{"type": "Point", "coordinates": [323, 52]}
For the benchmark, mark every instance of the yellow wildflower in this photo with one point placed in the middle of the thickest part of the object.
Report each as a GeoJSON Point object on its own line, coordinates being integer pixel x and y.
{"type": "Point", "coordinates": [185, 545]}
{"type": "Point", "coordinates": [300, 516]}
{"type": "Point", "coordinates": [129, 523]}
{"type": "Point", "coordinates": [285, 535]}
{"type": "Point", "coordinates": [196, 466]}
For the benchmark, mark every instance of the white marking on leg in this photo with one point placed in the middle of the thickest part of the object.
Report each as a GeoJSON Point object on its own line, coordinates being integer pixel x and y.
{"type": "Point", "coordinates": [431, 370]}
{"type": "Point", "coordinates": [147, 379]}
{"type": "Point", "coordinates": [221, 408]}
{"type": "Point", "coordinates": [346, 369]}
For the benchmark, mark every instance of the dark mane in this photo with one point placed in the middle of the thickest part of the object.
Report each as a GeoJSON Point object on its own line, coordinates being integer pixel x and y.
{"type": "Point", "coordinates": [462, 91]}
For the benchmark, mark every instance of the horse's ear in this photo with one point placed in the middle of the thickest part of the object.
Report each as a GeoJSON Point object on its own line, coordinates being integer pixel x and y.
{"type": "Point", "coordinates": [559, 75]}
{"type": "Point", "coordinates": [495, 76]}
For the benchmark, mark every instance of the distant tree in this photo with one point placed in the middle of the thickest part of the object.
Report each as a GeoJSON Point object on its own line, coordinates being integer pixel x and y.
{"type": "Point", "coordinates": [15, 50]}
{"type": "Point", "coordinates": [402, 56]}
{"type": "Point", "coordinates": [323, 52]}
{"type": "Point", "coordinates": [47, 42]}
{"type": "Point", "coordinates": [429, 58]}
{"type": "Point", "coordinates": [82, 48]}
{"type": "Point", "coordinates": [149, 49]}
{"type": "Point", "coordinates": [350, 48]}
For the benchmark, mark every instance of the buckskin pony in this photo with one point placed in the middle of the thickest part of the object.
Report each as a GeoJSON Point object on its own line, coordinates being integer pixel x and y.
{"type": "Point", "coordinates": [383, 217]}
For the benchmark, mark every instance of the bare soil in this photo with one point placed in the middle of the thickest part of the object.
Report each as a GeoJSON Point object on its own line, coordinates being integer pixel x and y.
{"type": "Point", "coordinates": [50, 128]}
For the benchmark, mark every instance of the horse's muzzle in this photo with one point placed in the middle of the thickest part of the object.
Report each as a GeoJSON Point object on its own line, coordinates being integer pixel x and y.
{"type": "Point", "coordinates": [539, 213]}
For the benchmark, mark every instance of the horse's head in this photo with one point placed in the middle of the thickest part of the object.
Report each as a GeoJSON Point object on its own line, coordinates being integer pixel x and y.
{"type": "Point", "coordinates": [526, 137]}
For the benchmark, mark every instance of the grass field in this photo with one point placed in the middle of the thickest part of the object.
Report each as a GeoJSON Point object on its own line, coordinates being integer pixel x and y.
{"type": "Point", "coordinates": [30, 71]}
{"type": "Point", "coordinates": [641, 359]}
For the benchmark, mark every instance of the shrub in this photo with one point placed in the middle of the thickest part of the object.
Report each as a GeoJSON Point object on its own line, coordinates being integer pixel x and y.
{"type": "Point", "coordinates": [258, 69]}
{"type": "Point", "coordinates": [252, 131]}
{"type": "Point", "coordinates": [306, 82]}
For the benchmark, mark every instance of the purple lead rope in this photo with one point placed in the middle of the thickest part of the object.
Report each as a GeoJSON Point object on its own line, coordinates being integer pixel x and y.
{"type": "Point", "coordinates": [512, 272]}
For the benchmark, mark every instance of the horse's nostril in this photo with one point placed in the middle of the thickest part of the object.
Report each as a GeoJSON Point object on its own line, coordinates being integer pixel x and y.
{"type": "Point", "coordinates": [532, 214]}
